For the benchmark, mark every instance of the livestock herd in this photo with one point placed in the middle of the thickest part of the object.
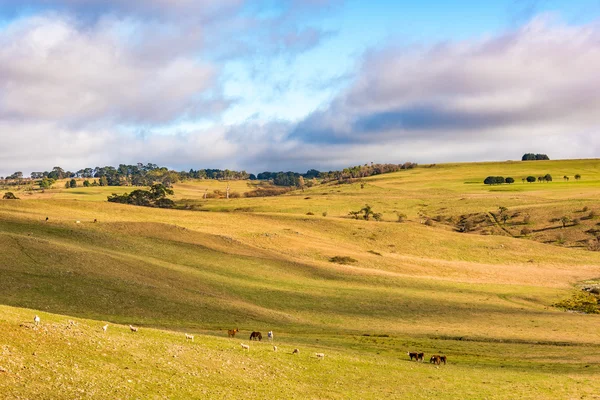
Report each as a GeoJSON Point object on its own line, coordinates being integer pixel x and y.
{"type": "Point", "coordinates": [257, 336]}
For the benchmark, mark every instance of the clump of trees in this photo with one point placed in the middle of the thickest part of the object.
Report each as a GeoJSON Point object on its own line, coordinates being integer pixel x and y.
{"type": "Point", "coordinates": [495, 180]}
{"type": "Point", "coordinates": [155, 197]}
{"type": "Point", "coordinates": [499, 180]}
{"type": "Point", "coordinates": [535, 157]}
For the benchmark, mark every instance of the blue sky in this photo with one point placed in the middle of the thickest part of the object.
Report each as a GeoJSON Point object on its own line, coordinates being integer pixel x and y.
{"type": "Point", "coordinates": [266, 84]}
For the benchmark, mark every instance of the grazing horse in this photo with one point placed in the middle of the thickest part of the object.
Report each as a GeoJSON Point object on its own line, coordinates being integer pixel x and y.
{"type": "Point", "coordinates": [443, 359]}
{"type": "Point", "coordinates": [435, 360]}
{"type": "Point", "coordinates": [232, 332]}
{"type": "Point", "coordinates": [256, 336]}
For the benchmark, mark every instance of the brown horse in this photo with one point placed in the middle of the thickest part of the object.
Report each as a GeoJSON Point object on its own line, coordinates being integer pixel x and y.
{"type": "Point", "coordinates": [256, 336]}
{"type": "Point", "coordinates": [232, 332]}
{"type": "Point", "coordinates": [435, 360]}
{"type": "Point", "coordinates": [416, 356]}
{"type": "Point", "coordinates": [443, 359]}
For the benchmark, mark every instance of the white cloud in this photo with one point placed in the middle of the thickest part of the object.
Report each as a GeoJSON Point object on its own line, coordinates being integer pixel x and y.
{"type": "Point", "coordinates": [51, 68]}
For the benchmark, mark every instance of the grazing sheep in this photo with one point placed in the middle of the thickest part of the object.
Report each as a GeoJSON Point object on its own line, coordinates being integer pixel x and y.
{"type": "Point", "coordinates": [133, 328]}
{"type": "Point", "coordinates": [320, 355]}
{"type": "Point", "coordinates": [270, 335]}
{"type": "Point", "coordinates": [77, 222]}
{"type": "Point", "coordinates": [296, 351]}
{"type": "Point", "coordinates": [105, 328]}
{"type": "Point", "coordinates": [189, 337]}
{"type": "Point", "coordinates": [274, 348]}
{"type": "Point", "coordinates": [245, 347]}
{"type": "Point", "coordinates": [36, 320]}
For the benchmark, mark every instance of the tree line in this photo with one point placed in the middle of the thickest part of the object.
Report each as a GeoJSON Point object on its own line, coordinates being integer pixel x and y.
{"type": "Point", "coordinates": [499, 180]}
{"type": "Point", "coordinates": [149, 174]}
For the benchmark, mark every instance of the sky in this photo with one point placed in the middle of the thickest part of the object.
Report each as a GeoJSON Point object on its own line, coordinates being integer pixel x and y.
{"type": "Point", "coordinates": [295, 84]}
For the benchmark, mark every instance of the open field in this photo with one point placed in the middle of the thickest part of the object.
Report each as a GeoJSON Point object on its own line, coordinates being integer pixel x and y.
{"type": "Point", "coordinates": [264, 264]}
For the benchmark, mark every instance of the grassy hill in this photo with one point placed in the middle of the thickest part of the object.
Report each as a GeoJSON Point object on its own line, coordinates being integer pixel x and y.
{"type": "Point", "coordinates": [484, 298]}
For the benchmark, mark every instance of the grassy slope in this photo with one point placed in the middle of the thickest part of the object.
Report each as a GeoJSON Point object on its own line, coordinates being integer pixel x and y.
{"type": "Point", "coordinates": [268, 269]}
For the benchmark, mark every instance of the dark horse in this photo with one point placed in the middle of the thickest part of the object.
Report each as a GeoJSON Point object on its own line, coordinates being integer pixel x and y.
{"type": "Point", "coordinates": [256, 336]}
{"type": "Point", "coordinates": [416, 356]}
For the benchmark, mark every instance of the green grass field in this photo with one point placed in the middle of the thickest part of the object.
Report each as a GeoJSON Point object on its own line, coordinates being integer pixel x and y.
{"type": "Point", "coordinates": [484, 300]}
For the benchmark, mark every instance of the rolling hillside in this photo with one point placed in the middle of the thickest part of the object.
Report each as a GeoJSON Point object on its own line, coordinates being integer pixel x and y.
{"type": "Point", "coordinates": [484, 298]}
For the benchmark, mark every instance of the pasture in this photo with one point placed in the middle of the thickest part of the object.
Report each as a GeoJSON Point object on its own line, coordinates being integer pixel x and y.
{"type": "Point", "coordinates": [263, 264]}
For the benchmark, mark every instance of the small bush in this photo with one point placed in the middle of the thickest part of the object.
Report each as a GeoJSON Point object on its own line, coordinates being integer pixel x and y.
{"type": "Point", "coordinates": [324, 213]}
{"type": "Point", "coordinates": [234, 195]}
{"type": "Point", "coordinates": [401, 217]}
{"type": "Point", "coordinates": [429, 222]}
{"type": "Point", "coordinates": [581, 302]}
{"type": "Point", "coordinates": [525, 231]}
{"type": "Point", "coordinates": [527, 219]}
{"type": "Point", "coordinates": [343, 260]}
{"type": "Point", "coordinates": [9, 196]}
{"type": "Point", "coordinates": [310, 213]}
{"type": "Point", "coordinates": [585, 209]}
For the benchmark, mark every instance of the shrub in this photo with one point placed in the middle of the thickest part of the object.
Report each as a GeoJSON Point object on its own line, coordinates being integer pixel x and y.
{"type": "Point", "coordinates": [510, 180]}
{"type": "Point", "coordinates": [531, 179]}
{"type": "Point", "coordinates": [310, 213]}
{"type": "Point", "coordinates": [525, 231]}
{"type": "Point", "coordinates": [548, 178]}
{"type": "Point", "coordinates": [585, 209]}
{"type": "Point", "coordinates": [429, 222]}
{"type": "Point", "coordinates": [324, 213]}
{"type": "Point", "coordinates": [527, 219]}
{"type": "Point", "coordinates": [234, 195]}
{"type": "Point", "coordinates": [342, 260]}
{"type": "Point", "coordinates": [581, 302]}
{"type": "Point", "coordinates": [9, 196]}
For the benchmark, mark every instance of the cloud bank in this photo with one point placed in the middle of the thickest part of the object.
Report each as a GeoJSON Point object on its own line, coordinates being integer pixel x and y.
{"type": "Point", "coordinates": [78, 96]}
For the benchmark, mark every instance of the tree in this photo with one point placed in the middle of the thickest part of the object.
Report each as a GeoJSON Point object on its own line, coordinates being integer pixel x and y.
{"type": "Point", "coordinates": [494, 180]}
{"type": "Point", "coordinates": [566, 178]}
{"type": "Point", "coordinates": [531, 179]}
{"type": "Point", "coordinates": [367, 211]}
{"type": "Point", "coordinates": [9, 196]}
{"type": "Point", "coordinates": [577, 177]}
{"type": "Point", "coordinates": [401, 216]}
{"type": "Point", "coordinates": [73, 183]}
{"type": "Point", "coordinates": [86, 183]}
{"type": "Point", "coordinates": [510, 180]}
{"type": "Point", "coordinates": [565, 220]}
{"type": "Point", "coordinates": [46, 183]}
{"type": "Point", "coordinates": [103, 181]}
{"type": "Point", "coordinates": [548, 178]}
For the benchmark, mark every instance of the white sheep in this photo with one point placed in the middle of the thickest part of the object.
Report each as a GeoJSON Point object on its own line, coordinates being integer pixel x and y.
{"type": "Point", "coordinates": [274, 348]}
{"type": "Point", "coordinates": [270, 335]}
{"type": "Point", "coordinates": [105, 328]}
{"type": "Point", "coordinates": [189, 337]}
{"type": "Point", "coordinates": [245, 346]}
{"type": "Point", "coordinates": [320, 355]}
{"type": "Point", "coordinates": [36, 320]}
{"type": "Point", "coordinates": [133, 328]}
